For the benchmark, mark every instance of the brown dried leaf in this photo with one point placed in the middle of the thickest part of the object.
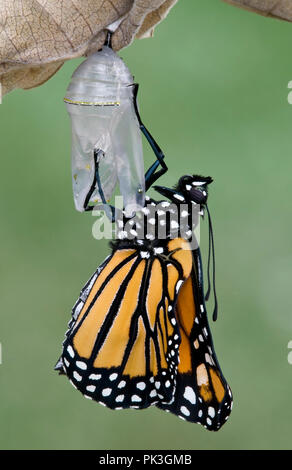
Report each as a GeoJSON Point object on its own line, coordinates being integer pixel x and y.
{"type": "Point", "coordinates": [38, 36]}
{"type": "Point", "coordinates": [281, 9]}
{"type": "Point", "coordinates": [141, 20]}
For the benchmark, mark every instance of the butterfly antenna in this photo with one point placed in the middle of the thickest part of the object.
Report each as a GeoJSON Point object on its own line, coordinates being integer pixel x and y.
{"type": "Point", "coordinates": [207, 295]}
{"type": "Point", "coordinates": [212, 252]}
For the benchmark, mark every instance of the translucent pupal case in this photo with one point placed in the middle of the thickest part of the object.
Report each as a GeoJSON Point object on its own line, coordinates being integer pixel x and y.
{"type": "Point", "coordinates": [100, 101]}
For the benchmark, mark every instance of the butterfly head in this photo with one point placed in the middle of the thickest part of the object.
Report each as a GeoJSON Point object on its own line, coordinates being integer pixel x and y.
{"type": "Point", "coordinates": [190, 188]}
{"type": "Point", "coordinates": [194, 188]}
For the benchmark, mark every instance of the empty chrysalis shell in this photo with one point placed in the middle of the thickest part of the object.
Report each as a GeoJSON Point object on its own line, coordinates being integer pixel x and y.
{"type": "Point", "coordinates": [100, 102]}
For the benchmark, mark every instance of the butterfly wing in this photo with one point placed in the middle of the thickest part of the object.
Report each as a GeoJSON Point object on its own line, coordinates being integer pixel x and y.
{"type": "Point", "coordinates": [121, 346]}
{"type": "Point", "coordinates": [202, 394]}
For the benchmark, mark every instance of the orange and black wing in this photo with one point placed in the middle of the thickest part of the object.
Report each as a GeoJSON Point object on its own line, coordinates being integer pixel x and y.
{"type": "Point", "coordinates": [121, 348]}
{"type": "Point", "coordinates": [202, 395]}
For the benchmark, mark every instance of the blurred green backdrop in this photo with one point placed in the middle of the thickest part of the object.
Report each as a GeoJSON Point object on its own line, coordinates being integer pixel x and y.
{"type": "Point", "coordinates": [214, 93]}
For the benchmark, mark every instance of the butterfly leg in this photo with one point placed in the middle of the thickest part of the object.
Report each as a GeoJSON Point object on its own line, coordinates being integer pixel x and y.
{"type": "Point", "coordinates": [151, 175]}
{"type": "Point", "coordinates": [96, 183]}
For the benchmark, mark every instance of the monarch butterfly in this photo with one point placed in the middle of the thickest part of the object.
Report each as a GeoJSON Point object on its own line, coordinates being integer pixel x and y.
{"type": "Point", "coordinates": [139, 333]}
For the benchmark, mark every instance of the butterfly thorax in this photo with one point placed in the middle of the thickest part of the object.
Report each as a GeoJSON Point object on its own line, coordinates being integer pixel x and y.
{"type": "Point", "coordinates": [150, 230]}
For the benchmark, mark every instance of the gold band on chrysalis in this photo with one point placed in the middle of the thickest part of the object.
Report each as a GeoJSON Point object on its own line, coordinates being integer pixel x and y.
{"type": "Point", "coordinates": [92, 103]}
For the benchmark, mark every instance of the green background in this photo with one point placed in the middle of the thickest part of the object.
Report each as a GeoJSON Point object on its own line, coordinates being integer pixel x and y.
{"type": "Point", "coordinates": [213, 91]}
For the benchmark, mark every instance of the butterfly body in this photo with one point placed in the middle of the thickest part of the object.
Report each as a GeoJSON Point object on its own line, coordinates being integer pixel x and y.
{"type": "Point", "coordinates": [139, 334]}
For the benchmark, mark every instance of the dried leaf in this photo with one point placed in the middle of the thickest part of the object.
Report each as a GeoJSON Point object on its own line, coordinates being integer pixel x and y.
{"type": "Point", "coordinates": [143, 16]}
{"type": "Point", "coordinates": [281, 9]}
{"type": "Point", "coordinates": [153, 18]}
{"type": "Point", "coordinates": [38, 36]}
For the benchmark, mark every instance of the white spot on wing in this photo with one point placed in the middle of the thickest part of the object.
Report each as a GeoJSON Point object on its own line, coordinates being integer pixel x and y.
{"type": "Point", "coordinates": [81, 365]}
{"type": "Point", "coordinates": [208, 359]}
{"type": "Point", "coordinates": [178, 285]}
{"type": "Point", "coordinates": [190, 395]}
{"type": "Point", "coordinates": [120, 398]}
{"type": "Point", "coordinates": [136, 398]}
{"type": "Point", "coordinates": [77, 376]}
{"type": "Point", "coordinates": [95, 376]}
{"type": "Point", "coordinates": [211, 411]}
{"type": "Point", "coordinates": [141, 385]}
{"type": "Point", "coordinates": [185, 411]}
{"type": "Point", "coordinates": [70, 351]}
